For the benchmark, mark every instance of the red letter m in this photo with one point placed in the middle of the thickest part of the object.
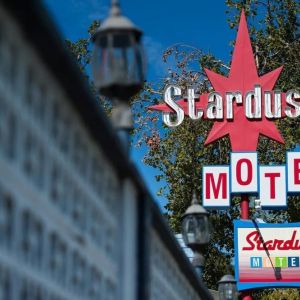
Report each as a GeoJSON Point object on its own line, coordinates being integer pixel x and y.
{"type": "Point", "coordinates": [210, 184]}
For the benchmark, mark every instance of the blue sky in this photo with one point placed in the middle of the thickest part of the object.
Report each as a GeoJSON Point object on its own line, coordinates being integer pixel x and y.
{"type": "Point", "coordinates": [201, 24]}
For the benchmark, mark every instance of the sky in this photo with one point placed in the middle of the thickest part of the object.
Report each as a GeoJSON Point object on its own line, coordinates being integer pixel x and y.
{"type": "Point", "coordinates": [201, 24]}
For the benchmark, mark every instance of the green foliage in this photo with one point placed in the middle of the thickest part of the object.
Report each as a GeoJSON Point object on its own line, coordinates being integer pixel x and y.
{"type": "Point", "coordinates": [81, 50]}
{"type": "Point", "coordinates": [280, 294]}
{"type": "Point", "coordinates": [179, 155]}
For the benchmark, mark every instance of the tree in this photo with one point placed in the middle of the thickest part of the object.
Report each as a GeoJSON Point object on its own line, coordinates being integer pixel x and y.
{"type": "Point", "coordinates": [179, 155]}
{"type": "Point", "coordinates": [280, 294]}
{"type": "Point", "coordinates": [81, 51]}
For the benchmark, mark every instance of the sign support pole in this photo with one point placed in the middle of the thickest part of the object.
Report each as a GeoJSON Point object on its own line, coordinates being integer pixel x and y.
{"type": "Point", "coordinates": [245, 207]}
{"type": "Point", "coordinates": [245, 216]}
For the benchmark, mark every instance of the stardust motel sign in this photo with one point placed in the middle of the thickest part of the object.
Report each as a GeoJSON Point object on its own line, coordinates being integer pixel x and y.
{"type": "Point", "coordinates": [263, 259]}
{"type": "Point", "coordinates": [244, 106]}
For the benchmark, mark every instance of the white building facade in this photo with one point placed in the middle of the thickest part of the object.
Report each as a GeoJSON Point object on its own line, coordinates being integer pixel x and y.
{"type": "Point", "coordinates": [76, 222]}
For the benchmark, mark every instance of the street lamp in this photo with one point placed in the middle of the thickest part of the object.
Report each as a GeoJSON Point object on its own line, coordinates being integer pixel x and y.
{"type": "Point", "coordinates": [196, 232]}
{"type": "Point", "coordinates": [227, 288]}
{"type": "Point", "coordinates": [118, 63]}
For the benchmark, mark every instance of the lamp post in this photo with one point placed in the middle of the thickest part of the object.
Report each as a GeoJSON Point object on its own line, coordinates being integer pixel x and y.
{"type": "Point", "coordinates": [196, 232]}
{"type": "Point", "coordinates": [227, 288]}
{"type": "Point", "coordinates": [118, 64]}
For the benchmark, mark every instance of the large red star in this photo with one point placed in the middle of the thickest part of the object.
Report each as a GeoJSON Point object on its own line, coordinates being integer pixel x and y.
{"type": "Point", "coordinates": [243, 132]}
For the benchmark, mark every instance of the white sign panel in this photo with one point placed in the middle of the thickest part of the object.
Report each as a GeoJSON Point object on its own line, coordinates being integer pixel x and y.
{"type": "Point", "coordinates": [293, 171]}
{"type": "Point", "coordinates": [272, 186]}
{"type": "Point", "coordinates": [244, 172]}
{"type": "Point", "coordinates": [216, 186]}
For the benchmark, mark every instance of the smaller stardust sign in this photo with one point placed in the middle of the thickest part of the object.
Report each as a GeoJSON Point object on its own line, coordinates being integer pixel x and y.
{"type": "Point", "coordinates": [263, 259]}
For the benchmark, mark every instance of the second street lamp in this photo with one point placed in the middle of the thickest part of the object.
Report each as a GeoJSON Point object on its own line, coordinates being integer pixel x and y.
{"type": "Point", "coordinates": [227, 288]}
{"type": "Point", "coordinates": [196, 232]}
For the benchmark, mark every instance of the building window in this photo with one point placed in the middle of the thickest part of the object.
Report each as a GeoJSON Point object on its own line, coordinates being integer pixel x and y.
{"type": "Point", "coordinates": [64, 140]}
{"type": "Point", "coordinates": [38, 294]}
{"type": "Point", "coordinates": [79, 154]}
{"type": "Point", "coordinates": [58, 259]}
{"type": "Point", "coordinates": [97, 175]}
{"type": "Point", "coordinates": [29, 88]}
{"type": "Point", "coordinates": [5, 63]}
{"type": "Point", "coordinates": [110, 290]}
{"type": "Point", "coordinates": [1, 45]}
{"type": "Point", "coordinates": [61, 127]}
{"type": "Point", "coordinates": [6, 220]}
{"type": "Point", "coordinates": [79, 210]}
{"type": "Point", "coordinates": [113, 194]}
{"type": "Point", "coordinates": [11, 136]}
{"type": "Point", "coordinates": [37, 243]}
{"type": "Point", "coordinates": [28, 146]}
{"type": "Point", "coordinates": [34, 160]}
{"type": "Point", "coordinates": [95, 225]}
{"type": "Point", "coordinates": [32, 240]}
{"type": "Point", "coordinates": [110, 241]}
{"type": "Point", "coordinates": [5, 284]}
{"type": "Point", "coordinates": [8, 127]}
{"type": "Point", "coordinates": [94, 285]}
{"type": "Point", "coordinates": [14, 59]}
{"type": "Point", "coordinates": [66, 195]}
{"type": "Point", "coordinates": [24, 291]}
{"type": "Point", "coordinates": [39, 102]}
{"type": "Point", "coordinates": [25, 235]}
{"type": "Point", "coordinates": [78, 273]}
{"type": "Point", "coordinates": [55, 119]}
{"type": "Point", "coordinates": [35, 94]}
{"type": "Point", "coordinates": [56, 186]}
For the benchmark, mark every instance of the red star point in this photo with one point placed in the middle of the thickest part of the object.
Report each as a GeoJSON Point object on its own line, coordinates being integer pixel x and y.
{"type": "Point", "coordinates": [243, 133]}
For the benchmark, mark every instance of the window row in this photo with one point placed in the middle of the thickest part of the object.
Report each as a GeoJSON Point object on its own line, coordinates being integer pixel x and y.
{"type": "Point", "coordinates": [163, 264]}
{"type": "Point", "coordinates": [51, 113]}
{"type": "Point", "coordinates": [13, 285]}
{"type": "Point", "coordinates": [85, 215]}
{"type": "Point", "coordinates": [48, 253]}
{"type": "Point", "coordinates": [20, 143]}
{"type": "Point", "coordinates": [49, 177]}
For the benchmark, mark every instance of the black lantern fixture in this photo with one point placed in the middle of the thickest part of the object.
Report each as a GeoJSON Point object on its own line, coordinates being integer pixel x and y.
{"type": "Point", "coordinates": [118, 67]}
{"type": "Point", "coordinates": [196, 232]}
{"type": "Point", "coordinates": [227, 288]}
{"type": "Point", "coordinates": [118, 60]}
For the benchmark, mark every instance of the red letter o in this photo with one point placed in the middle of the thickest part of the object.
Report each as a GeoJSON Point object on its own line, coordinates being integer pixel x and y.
{"type": "Point", "coordinates": [239, 171]}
